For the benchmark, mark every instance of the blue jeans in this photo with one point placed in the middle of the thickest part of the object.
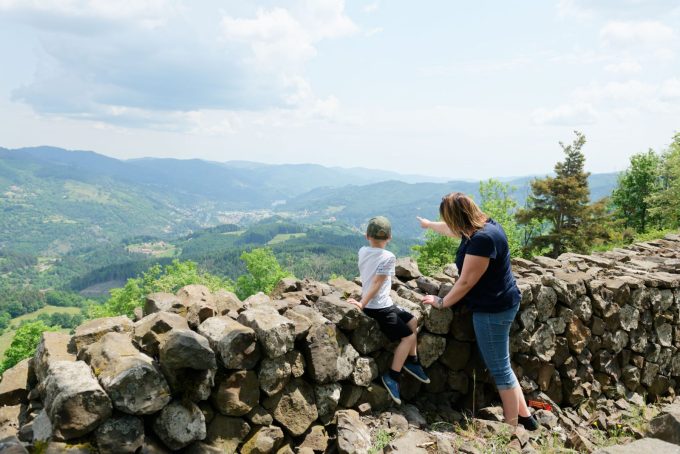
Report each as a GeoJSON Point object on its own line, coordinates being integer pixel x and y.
{"type": "Point", "coordinates": [492, 331]}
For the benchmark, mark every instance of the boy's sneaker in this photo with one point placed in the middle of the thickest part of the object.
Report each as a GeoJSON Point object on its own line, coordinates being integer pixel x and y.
{"type": "Point", "coordinates": [392, 387]}
{"type": "Point", "coordinates": [417, 371]}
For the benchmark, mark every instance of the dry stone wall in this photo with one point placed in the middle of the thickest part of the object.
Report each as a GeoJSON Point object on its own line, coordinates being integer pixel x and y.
{"type": "Point", "coordinates": [203, 372]}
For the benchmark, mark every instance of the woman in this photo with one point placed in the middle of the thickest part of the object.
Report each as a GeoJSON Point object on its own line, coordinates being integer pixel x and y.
{"type": "Point", "coordinates": [487, 286]}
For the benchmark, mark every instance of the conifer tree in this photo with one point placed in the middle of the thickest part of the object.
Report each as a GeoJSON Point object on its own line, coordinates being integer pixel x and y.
{"type": "Point", "coordinates": [562, 203]}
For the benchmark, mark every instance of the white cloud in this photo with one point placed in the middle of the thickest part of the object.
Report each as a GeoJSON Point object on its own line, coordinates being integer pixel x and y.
{"type": "Point", "coordinates": [629, 92]}
{"type": "Point", "coordinates": [374, 31]}
{"type": "Point", "coordinates": [371, 7]}
{"type": "Point", "coordinates": [159, 64]}
{"type": "Point", "coordinates": [624, 66]}
{"type": "Point", "coordinates": [280, 36]}
{"type": "Point", "coordinates": [636, 33]}
{"type": "Point", "coordinates": [90, 16]}
{"type": "Point", "coordinates": [670, 90]}
{"type": "Point", "coordinates": [571, 8]}
{"type": "Point", "coordinates": [566, 115]}
{"type": "Point", "coordinates": [274, 36]}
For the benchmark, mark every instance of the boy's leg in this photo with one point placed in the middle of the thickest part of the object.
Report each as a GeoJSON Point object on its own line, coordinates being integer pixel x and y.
{"type": "Point", "coordinates": [412, 365]}
{"type": "Point", "coordinates": [413, 324]}
{"type": "Point", "coordinates": [405, 347]}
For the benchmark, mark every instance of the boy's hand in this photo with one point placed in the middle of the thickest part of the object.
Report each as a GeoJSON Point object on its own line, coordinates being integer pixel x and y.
{"type": "Point", "coordinates": [356, 303]}
{"type": "Point", "coordinates": [424, 223]}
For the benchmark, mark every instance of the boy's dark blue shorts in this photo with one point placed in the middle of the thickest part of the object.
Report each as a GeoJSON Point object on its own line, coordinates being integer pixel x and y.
{"type": "Point", "coordinates": [392, 321]}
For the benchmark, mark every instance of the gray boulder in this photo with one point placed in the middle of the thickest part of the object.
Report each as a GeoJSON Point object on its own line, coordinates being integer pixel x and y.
{"type": "Point", "coordinates": [179, 424]}
{"type": "Point", "coordinates": [263, 441]}
{"type": "Point", "coordinates": [131, 379]}
{"type": "Point", "coordinates": [327, 398]}
{"type": "Point", "coordinates": [274, 374]}
{"type": "Point", "coordinates": [430, 348]}
{"type": "Point", "coordinates": [406, 269]}
{"type": "Point", "coordinates": [200, 303]}
{"type": "Point", "coordinates": [151, 331]}
{"type": "Point", "coordinates": [164, 302]}
{"type": "Point", "coordinates": [666, 426]}
{"type": "Point", "coordinates": [236, 393]}
{"type": "Point", "coordinates": [120, 435]}
{"type": "Point", "coordinates": [226, 433]}
{"type": "Point", "coordinates": [15, 386]}
{"type": "Point", "coordinates": [186, 349]}
{"type": "Point", "coordinates": [354, 436]}
{"type": "Point", "coordinates": [74, 401]}
{"type": "Point", "coordinates": [236, 345]}
{"type": "Point", "coordinates": [367, 337]}
{"type": "Point", "coordinates": [343, 314]}
{"type": "Point", "coordinates": [53, 347]}
{"type": "Point", "coordinates": [294, 408]}
{"type": "Point", "coordinates": [645, 445]}
{"type": "Point", "coordinates": [90, 332]}
{"type": "Point", "coordinates": [275, 332]}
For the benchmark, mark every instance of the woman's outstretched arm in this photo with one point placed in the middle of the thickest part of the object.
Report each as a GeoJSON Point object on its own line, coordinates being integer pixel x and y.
{"type": "Point", "coordinates": [437, 226]}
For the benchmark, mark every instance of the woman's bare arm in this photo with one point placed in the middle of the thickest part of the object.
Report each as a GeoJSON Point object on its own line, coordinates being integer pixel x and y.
{"type": "Point", "coordinates": [474, 267]}
{"type": "Point", "coordinates": [437, 226]}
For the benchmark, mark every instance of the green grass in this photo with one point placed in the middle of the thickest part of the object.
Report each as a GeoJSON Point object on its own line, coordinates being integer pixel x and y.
{"type": "Point", "coordinates": [283, 237]}
{"type": "Point", "coordinates": [382, 438]}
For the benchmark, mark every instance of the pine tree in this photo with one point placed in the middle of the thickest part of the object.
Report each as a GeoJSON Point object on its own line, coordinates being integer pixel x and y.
{"type": "Point", "coordinates": [561, 203]}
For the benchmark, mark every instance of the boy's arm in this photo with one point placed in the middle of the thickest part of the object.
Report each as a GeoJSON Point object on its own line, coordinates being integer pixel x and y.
{"type": "Point", "coordinates": [373, 290]}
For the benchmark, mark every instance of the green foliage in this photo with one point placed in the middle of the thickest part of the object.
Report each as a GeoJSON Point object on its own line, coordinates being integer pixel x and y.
{"type": "Point", "coordinates": [381, 439]}
{"type": "Point", "coordinates": [634, 188]}
{"type": "Point", "coordinates": [63, 298]}
{"type": "Point", "coordinates": [264, 272]}
{"type": "Point", "coordinates": [562, 202]}
{"type": "Point", "coordinates": [25, 341]}
{"type": "Point", "coordinates": [437, 251]}
{"type": "Point", "coordinates": [665, 203]}
{"type": "Point", "coordinates": [20, 300]}
{"type": "Point", "coordinates": [169, 278]}
{"type": "Point", "coordinates": [496, 202]}
{"type": "Point", "coordinates": [61, 319]}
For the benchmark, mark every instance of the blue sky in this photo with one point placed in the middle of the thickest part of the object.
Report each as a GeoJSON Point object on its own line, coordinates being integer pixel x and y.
{"type": "Point", "coordinates": [444, 88]}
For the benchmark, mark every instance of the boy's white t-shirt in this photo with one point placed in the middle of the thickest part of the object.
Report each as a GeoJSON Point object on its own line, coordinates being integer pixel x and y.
{"type": "Point", "coordinates": [376, 261]}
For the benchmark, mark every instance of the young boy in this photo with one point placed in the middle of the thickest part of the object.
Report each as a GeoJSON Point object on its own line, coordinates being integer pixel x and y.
{"type": "Point", "coordinates": [376, 266]}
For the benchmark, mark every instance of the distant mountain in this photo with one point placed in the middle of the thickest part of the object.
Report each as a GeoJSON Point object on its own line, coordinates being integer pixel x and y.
{"type": "Point", "coordinates": [402, 202]}
{"type": "Point", "coordinates": [54, 200]}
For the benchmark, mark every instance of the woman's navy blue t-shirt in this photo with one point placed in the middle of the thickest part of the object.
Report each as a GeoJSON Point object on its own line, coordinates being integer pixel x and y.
{"type": "Point", "coordinates": [496, 290]}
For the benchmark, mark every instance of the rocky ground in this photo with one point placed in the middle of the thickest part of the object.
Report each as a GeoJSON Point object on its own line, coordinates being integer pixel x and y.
{"type": "Point", "coordinates": [603, 427]}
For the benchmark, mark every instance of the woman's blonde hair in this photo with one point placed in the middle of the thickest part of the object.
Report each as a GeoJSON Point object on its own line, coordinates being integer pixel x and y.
{"type": "Point", "coordinates": [461, 214]}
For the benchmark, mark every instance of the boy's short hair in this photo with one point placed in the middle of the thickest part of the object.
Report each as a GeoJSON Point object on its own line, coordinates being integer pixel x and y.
{"type": "Point", "coordinates": [379, 227]}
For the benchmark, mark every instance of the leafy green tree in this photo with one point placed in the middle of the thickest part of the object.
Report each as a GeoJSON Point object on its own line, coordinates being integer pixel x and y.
{"type": "Point", "coordinates": [24, 343]}
{"type": "Point", "coordinates": [562, 202]}
{"type": "Point", "coordinates": [169, 278]}
{"type": "Point", "coordinates": [264, 272]}
{"type": "Point", "coordinates": [497, 203]}
{"type": "Point", "coordinates": [437, 251]}
{"type": "Point", "coordinates": [635, 187]}
{"type": "Point", "coordinates": [665, 203]}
